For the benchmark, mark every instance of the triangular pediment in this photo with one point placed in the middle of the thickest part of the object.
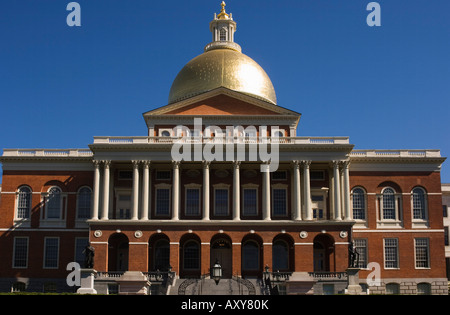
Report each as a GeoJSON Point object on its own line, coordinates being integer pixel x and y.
{"type": "Point", "coordinates": [222, 102]}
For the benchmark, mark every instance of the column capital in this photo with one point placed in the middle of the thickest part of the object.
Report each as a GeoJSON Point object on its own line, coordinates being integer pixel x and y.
{"type": "Point", "coordinates": [296, 164]}
{"type": "Point", "coordinates": [345, 164]}
{"type": "Point", "coordinates": [135, 163]}
{"type": "Point", "coordinates": [106, 163]}
{"type": "Point", "coordinates": [176, 164]}
{"type": "Point", "coordinates": [236, 164]}
{"type": "Point", "coordinates": [146, 163]}
{"type": "Point", "coordinates": [96, 163]}
{"type": "Point", "coordinates": [206, 164]}
{"type": "Point", "coordinates": [306, 163]}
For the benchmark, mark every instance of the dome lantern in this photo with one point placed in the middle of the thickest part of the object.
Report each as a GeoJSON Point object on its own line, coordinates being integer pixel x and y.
{"type": "Point", "coordinates": [222, 29]}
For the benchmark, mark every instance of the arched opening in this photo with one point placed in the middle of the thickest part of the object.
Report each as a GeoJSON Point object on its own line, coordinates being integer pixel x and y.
{"type": "Point", "coordinates": [159, 253]}
{"type": "Point", "coordinates": [323, 251]}
{"type": "Point", "coordinates": [190, 256]}
{"type": "Point", "coordinates": [251, 256]}
{"type": "Point", "coordinates": [221, 250]}
{"type": "Point", "coordinates": [283, 253]}
{"type": "Point", "coordinates": [118, 252]}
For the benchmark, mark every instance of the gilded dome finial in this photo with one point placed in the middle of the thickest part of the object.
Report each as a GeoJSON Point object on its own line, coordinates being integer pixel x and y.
{"type": "Point", "coordinates": [223, 15]}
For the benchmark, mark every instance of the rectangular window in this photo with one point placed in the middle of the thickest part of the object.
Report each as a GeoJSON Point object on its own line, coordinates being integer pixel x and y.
{"type": "Point", "coordinates": [24, 204]}
{"type": "Point", "coordinates": [317, 175]}
{"type": "Point", "coordinates": [361, 249]}
{"type": "Point", "coordinates": [125, 175]}
{"type": "Point", "coordinates": [279, 201]}
{"type": "Point", "coordinates": [192, 201]}
{"type": "Point", "coordinates": [162, 201]}
{"type": "Point", "coordinates": [221, 202]}
{"type": "Point", "coordinates": [51, 252]}
{"type": "Point", "coordinates": [390, 253]}
{"type": "Point", "coordinates": [250, 201]}
{"type": "Point", "coordinates": [20, 252]}
{"type": "Point", "coordinates": [445, 211]}
{"type": "Point", "coordinates": [422, 253]}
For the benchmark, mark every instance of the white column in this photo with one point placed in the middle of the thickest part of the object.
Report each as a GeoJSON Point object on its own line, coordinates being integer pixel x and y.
{"type": "Point", "coordinates": [96, 190]}
{"type": "Point", "coordinates": [346, 190]}
{"type": "Point", "coordinates": [296, 214]}
{"type": "Point", "coordinates": [176, 190]}
{"type": "Point", "coordinates": [236, 191]}
{"type": "Point", "coordinates": [307, 190]}
{"type": "Point", "coordinates": [106, 174]}
{"type": "Point", "coordinates": [135, 196]}
{"type": "Point", "coordinates": [206, 165]}
{"type": "Point", "coordinates": [266, 192]}
{"type": "Point", "coordinates": [145, 190]}
{"type": "Point", "coordinates": [337, 191]}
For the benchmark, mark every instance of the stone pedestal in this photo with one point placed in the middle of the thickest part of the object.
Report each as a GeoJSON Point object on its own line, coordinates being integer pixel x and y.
{"type": "Point", "coordinates": [87, 281]}
{"type": "Point", "coordinates": [353, 287]}
{"type": "Point", "coordinates": [133, 283]}
{"type": "Point", "coordinates": [300, 283]}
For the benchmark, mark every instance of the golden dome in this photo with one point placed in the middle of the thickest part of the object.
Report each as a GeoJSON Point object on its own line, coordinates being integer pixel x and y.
{"type": "Point", "coordinates": [222, 67]}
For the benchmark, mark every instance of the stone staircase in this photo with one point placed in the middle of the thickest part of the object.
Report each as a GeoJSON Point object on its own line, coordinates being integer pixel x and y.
{"type": "Point", "coordinates": [235, 286]}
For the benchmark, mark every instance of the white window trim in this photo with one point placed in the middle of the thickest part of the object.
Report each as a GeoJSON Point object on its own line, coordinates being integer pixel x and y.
{"type": "Point", "coordinates": [23, 222]}
{"type": "Point", "coordinates": [420, 223]}
{"type": "Point", "coordinates": [390, 223]}
{"type": "Point", "coordinates": [53, 222]}
{"type": "Point", "coordinates": [397, 254]}
{"type": "Point", "coordinates": [284, 187]}
{"type": "Point", "coordinates": [163, 186]}
{"type": "Point", "coordinates": [323, 192]}
{"type": "Point", "coordinates": [199, 188]}
{"type": "Point", "coordinates": [45, 252]}
{"type": "Point", "coordinates": [359, 222]}
{"type": "Point", "coordinates": [227, 188]}
{"type": "Point", "coordinates": [161, 130]}
{"type": "Point", "coordinates": [122, 192]}
{"type": "Point", "coordinates": [250, 186]}
{"type": "Point", "coordinates": [428, 253]}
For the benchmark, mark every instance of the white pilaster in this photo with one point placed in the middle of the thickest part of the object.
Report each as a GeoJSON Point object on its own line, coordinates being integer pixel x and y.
{"type": "Point", "coordinates": [145, 190]}
{"type": "Point", "coordinates": [106, 179]}
{"type": "Point", "coordinates": [296, 214]}
{"type": "Point", "coordinates": [266, 192]}
{"type": "Point", "coordinates": [135, 199]}
{"type": "Point", "coordinates": [236, 191]}
{"type": "Point", "coordinates": [307, 190]}
{"type": "Point", "coordinates": [337, 191]}
{"type": "Point", "coordinates": [96, 200]}
{"type": "Point", "coordinates": [176, 190]}
{"type": "Point", "coordinates": [346, 190]}
{"type": "Point", "coordinates": [206, 165]}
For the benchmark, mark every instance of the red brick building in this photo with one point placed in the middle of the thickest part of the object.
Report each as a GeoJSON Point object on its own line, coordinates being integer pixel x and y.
{"type": "Point", "coordinates": [182, 198]}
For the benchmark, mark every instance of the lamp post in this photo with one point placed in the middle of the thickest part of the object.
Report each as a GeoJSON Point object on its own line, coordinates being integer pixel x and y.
{"type": "Point", "coordinates": [216, 272]}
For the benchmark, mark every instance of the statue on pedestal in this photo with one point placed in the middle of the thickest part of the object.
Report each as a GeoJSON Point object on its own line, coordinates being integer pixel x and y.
{"type": "Point", "coordinates": [353, 255]}
{"type": "Point", "coordinates": [89, 253]}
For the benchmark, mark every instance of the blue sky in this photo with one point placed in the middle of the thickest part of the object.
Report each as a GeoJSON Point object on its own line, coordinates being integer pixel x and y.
{"type": "Point", "coordinates": [385, 87]}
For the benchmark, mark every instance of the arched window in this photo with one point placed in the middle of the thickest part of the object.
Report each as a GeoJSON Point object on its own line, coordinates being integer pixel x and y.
{"type": "Point", "coordinates": [389, 204]}
{"type": "Point", "coordinates": [223, 34]}
{"type": "Point", "coordinates": [54, 203]}
{"type": "Point", "coordinates": [423, 288]}
{"type": "Point", "coordinates": [419, 204]}
{"type": "Point", "coordinates": [84, 203]}
{"type": "Point", "coordinates": [165, 133]}
{"type": "Point", "coordinates": [359, 204]}
{"type": "Point", "coordinates": [191, 257]}
{"type": "Point", "coordinates": [280, 255]}
{"type": "Point", "coordinates": [23, 203]}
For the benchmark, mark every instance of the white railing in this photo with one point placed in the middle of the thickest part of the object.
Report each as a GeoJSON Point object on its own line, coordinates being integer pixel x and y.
{"type": "Point", "coordinates": [226, 140]}
{"type": "Point", "coordinates": [47, 153]}
{"type": "Point", "coordinates": [396, 153]}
